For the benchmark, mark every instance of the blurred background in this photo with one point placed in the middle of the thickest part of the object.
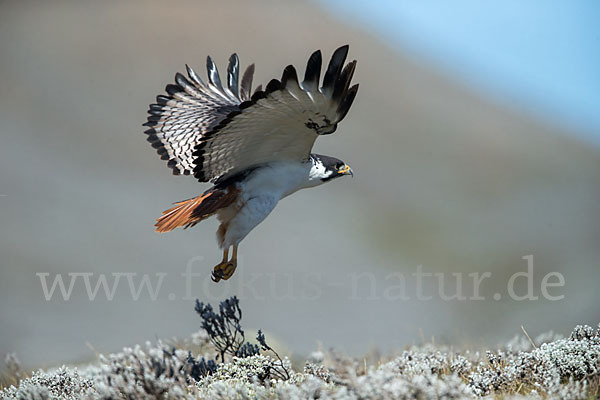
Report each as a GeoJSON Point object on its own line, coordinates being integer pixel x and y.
{"type": "Point", "coordinates": [475, 141]}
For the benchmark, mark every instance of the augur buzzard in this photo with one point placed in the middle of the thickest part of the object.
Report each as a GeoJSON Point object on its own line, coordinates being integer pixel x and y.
{"type": "Point", "coordinates": [254, 148]}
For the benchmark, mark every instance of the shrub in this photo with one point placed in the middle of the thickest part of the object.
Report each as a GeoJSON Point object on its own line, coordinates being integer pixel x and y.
{"type": "Point", "coordinates": [548, 367]}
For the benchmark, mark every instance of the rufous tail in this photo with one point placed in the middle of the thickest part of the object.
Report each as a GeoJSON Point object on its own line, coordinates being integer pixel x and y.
{"type": "Point", "coordinates": [189, 212]}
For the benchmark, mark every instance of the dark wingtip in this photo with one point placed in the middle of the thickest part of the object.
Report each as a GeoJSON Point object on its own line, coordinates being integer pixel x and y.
{"type": "Point", "coordinates": [273, 86]}
{"type": "Point", "coordinates": [209, 63]}
{"type": "Point", "coordinates": [182, 80]}
{"type": "Point", "coordinates": [343, 48]}
{"type": "Point", "coordinates": [258, 94]}
{"type": "Point", "coordinates": [341, 85]}
{"type": "Point", "coordinates": [246, 86]}
{"type": "Point", "coordinates": [162, 99]}
{"type": "Point", "coordinates": [346, 102]}
{"type": "Point", "coordinates": [213, 73]}
{"type": "Point", "coordinates": [232, 74]}
{"type": "Point", "coordinates": [193, 76]}
{"type": "Point", "coordinates": [172, 89]}
{"type": "Point", "coordinates": [335, 67]}
{"type": "Point", "coordinates": [313, 71]}
{"type": "Point", "coordinates": [289, 74]}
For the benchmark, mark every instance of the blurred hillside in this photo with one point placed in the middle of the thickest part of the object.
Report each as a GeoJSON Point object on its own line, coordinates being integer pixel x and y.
{"type": "Point", "coordinates": [443, 179]}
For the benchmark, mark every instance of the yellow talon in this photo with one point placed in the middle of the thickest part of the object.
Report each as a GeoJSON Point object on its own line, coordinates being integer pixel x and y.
{"type": "Point", "coordinates": [225, 269]}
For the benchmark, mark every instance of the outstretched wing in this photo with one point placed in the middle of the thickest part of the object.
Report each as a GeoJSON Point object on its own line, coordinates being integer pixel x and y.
{"type": "Point", "coordinates": [280, 123]}
{"type": "Point", "coordinates": [191, 109]}
{"type": "Point", "coordinates": [214, 131]}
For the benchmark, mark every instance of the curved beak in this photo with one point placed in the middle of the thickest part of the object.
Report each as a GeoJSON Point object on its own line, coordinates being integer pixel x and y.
{"type": "Point", "coordinates": [346, 170]}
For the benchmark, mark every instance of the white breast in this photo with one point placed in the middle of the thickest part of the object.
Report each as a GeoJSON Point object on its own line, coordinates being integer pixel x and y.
{"type": "Point", "coordinates": [260, 192]}
{"type": "Point", "coordinates": [278, 179]}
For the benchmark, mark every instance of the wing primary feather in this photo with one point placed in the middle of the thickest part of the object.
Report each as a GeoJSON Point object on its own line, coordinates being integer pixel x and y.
{"type": "Point", "coordinates": [347, 102]}
{"type": "Point", "coordinates": [246, 87]}
{"type": "Point", "coordinates": [162, 100]}
{"type": "Point", "coordinates": [258, 89]}
{"type": "Point", "coordinates": [313, 71]}
{"type": "Point", "coordinates": [173, 165]}
{"type": "Point", "coordinates": [334, 68]}
{"type": "Point", "coordinates": [341, 86]}
{"type": "Point", "coordinates": [172, 89]}
{"type": "Point", "coordinates": [272, 86]}
{"type": "Point", "coordinates": [258, 94]}
{"type": "Point", "coordinates": [182, 81]}
{"type": "Point", "coordinates": [232, 75]}
{"type": "Point", "coordinates": [213, 74]}
{"type": "Point", "coordinates": [194, 77]}
{"type": "Point", "coordinates": [289, 74]}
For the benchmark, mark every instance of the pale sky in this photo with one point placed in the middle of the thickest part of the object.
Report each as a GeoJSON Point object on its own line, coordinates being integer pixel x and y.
{"type": "Point", "coordinates": [539, 56]}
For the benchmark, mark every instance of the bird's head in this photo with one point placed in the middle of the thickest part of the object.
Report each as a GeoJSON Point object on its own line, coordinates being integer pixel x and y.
{"type": "Point", "coordinates": [326, 168]}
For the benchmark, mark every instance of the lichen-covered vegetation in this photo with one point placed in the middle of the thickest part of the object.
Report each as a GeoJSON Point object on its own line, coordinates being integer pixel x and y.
{"type": "Point", "coordinates": [218, 362]}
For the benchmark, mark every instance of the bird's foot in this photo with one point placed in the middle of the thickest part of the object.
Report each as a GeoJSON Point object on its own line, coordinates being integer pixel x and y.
{"type": "Point", "coordinates": [224, 270]}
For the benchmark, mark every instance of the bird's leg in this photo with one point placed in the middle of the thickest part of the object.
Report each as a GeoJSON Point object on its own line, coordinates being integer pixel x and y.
{"type": "Point", "coordinates": [231, 265]}
{"type": "Point", "coordinates": [234, 256]}
{"type": "Point", "coordinates": [225, 268]}
{"type": "Point", "coordinates": [225, 256]}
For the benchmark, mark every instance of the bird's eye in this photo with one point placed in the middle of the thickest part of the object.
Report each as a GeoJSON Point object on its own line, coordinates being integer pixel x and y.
{"type": "Point", "coordinates": [339, 165]}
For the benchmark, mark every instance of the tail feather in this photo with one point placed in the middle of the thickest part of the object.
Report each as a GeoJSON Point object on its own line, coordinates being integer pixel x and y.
{"type": "Point", "coordinates": [189, 212]}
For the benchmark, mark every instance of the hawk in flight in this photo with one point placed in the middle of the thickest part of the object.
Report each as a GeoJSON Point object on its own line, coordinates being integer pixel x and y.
{"type": "Point", "coordinates": [254, 148]}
